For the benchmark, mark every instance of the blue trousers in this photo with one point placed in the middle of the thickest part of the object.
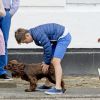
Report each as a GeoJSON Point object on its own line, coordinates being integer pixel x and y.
{"type": "Point", "coordinates": [5, 23]}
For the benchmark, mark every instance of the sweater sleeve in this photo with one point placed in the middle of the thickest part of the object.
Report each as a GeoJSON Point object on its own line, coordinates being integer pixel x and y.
{"type": "Point", "coordinates": [14, 7]}
{"type": "Point", "coordinates": [45, 43]}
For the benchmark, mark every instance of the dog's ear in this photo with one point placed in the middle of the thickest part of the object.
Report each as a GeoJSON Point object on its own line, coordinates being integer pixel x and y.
{"type": "Point", "coordinates": [13, 62]}
{"type": "Point", "coordinates": [21, 66]}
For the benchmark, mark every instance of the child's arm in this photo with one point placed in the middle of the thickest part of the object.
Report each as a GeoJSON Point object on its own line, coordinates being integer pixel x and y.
{"type": "Point", "coordinates": [45, 43]}
{"type": "Point", "coordinates": [47, 50]}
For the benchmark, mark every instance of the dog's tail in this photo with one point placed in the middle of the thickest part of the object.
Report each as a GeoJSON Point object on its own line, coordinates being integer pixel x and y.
{"type": "Point", "coordinates": [63, 86]}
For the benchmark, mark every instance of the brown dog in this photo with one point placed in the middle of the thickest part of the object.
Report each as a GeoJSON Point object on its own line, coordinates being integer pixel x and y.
{"type": "Point", "coordinates": [31, 73]}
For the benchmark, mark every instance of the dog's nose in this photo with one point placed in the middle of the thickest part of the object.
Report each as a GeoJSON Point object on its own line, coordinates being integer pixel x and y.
{"type": "Point", "coordinates": [7, 67]}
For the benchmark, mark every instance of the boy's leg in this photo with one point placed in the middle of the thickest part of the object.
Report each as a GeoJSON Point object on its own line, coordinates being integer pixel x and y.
{"type": "Point", "coordinates": [60, 50]}
{"type": "Point", "coordinates": [5, 26]}
{"type": "Point", "coordinates": [58, 71]}
{"type": "Point", "coordinates": [58, 56]}
{"type": "Point", "coordinates": [47, 84]}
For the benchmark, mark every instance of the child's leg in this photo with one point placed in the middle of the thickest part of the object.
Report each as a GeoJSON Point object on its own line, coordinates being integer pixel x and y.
{"type": "Point", "coordinates": [47, 82]}
{"type": "Point", "coordinates": [58, 71]}
{"type": "Point", "coordinates": [60, 50]}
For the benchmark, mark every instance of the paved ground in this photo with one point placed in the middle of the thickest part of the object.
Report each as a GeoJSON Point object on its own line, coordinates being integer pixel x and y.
{"type": "Point", "coordinates": [78, 88]}
{"type": "Point", "coordinates": [70, 82]}
{"type": "Point", "coordinates": [73, 93]}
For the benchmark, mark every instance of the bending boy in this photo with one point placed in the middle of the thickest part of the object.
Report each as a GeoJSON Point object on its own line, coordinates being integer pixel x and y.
{"type": "Point", "coordinates": [54, 39]}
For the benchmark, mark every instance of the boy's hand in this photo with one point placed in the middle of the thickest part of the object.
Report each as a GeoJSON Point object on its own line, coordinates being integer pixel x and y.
{"type": "Point", "coordinates": [45, 68]}
{"type": "Point", "coordinates": [99, 40]}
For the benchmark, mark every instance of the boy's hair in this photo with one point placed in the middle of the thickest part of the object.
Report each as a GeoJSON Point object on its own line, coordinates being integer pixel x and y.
{"type": "Point", "coordinates": [20, 35]}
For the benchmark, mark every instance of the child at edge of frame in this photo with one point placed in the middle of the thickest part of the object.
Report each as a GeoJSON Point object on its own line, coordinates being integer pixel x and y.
{"type": "Point", "coordinates": [2, 44]}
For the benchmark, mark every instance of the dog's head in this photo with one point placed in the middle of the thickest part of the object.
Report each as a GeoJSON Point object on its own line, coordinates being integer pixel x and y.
{"type": "Point", "coordinates": [12, 65]}
{"type": "Point", "coordinates": [15, 67]}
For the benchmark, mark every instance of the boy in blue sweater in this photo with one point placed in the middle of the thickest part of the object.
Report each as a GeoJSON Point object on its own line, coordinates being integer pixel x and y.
{"type": "Point", "coordinates": [54, 39]}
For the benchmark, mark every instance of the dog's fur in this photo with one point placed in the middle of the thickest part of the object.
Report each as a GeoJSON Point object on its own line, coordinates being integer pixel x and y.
{"type": "Point", "coordinates": [32, 73]}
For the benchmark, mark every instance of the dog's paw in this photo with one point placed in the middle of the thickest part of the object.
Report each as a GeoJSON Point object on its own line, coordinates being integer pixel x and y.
{"type": "Point", "coordinates": [28, 90]}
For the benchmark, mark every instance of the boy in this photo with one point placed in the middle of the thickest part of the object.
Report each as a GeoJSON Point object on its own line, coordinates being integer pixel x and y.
{"type": "Point", "coordinates": [54, 39]}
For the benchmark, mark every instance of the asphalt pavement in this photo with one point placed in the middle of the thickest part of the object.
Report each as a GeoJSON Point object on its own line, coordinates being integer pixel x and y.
{"type": "Point", "coordinates": [14, 90]}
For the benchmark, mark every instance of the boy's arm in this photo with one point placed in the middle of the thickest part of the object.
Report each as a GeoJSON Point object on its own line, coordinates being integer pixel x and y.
{"type": "Point", "coordinates": [14, 7]}
{"type": "Point", "coordinates": [47, 53]}
{"type": "Point", "coordinates": [45, 42]}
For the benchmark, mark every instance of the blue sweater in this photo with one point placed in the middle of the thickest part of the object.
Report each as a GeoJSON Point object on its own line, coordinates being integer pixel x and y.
{"type": "Point", "coordinates": [43, 34]}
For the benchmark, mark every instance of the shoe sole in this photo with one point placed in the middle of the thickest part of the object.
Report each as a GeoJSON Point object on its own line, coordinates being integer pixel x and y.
{"type": "Point", "coordinates": [41, 90]}
{"type": "Point", "coordinates": [8, 79]}
{"type": "Point", "coordinates": [52, 93]}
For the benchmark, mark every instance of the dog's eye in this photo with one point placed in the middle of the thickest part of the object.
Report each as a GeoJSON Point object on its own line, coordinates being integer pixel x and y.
{"type": "Point", "coordinates": [13, 64]}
